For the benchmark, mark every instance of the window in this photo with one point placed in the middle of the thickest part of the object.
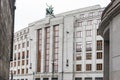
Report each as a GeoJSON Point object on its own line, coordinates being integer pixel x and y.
{"type": "Point", "coordinates": [23, 55]}
{"type": "Point", "coordinates": [78, 57]}
{"type": "Point", "coordinates": [99, 55]}
{"type": "Point", "coordinates": [18, 56]}
{"type": "Point", "coordinates": [88, 33]}
{"type": "Point", "coordinates": [23, 45]}
{"type": "Point", "coordinates": [80, 24]}
{"type": "Point", "coordinates": [26, 70]}
{"type": "Point", "coordinates": [88, 46]}
{"type": "Point", "coordinates": [23, 62]}
{"type": "Point", "coordinates": [78, 67]}
{"type": "Point", "coordinates": [78, 47]}
{"type": "Point", "coordinates": [78, 78]}
{"type": "Point", "coordinates": [99, 45]}
{"type": "Point", "coordinates": [88, 67]}
{"type": "Point", "coordinates": [14, 64]}
{"type": "Point", "coordinates": [22, 71]}
{"type": "Point", "coordinates": [26, 62]}
{"type": "Point", "coordinates": [79, 34]}
{"type": "Point", "coordinates": [88, 78]}
{"type": "Point", "coordinates": [27, 53]}
{"type": "Point", "coordinates": [89, 22]}
{"type": "Point", "coordinates": [45, 78]}
{"type": "Point", "coordinates": [27, 43]}
{"type": "Point", "coordinates": [99, 78]}
{"type": "Point", "coordinates": [88, 56]}
{"type": "Point", "coordinates": [99, 66]}
{"type": "Point", "coordinates": [14, 72]}
{"type": "Point", "coordinates": [18, 71]}
{"type": "Point", "coordinates": [18, 46]}
{"type": "Point", "coordinates": [18, 63]}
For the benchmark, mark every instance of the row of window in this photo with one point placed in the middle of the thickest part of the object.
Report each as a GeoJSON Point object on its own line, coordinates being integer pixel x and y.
{"type": "Point", "coordinates": [88, 23]}
{"type": "Point", "coordinates": [89, 56]}
{"type": "Point", "coordinates": [23, 55]}
{"type": "Point", "coordinates": [76, 78]}
{"type": "Point", "coordinates": [22, 32]}
{"type": "Point", "coordinates": [89, 78]}
{"type": "Point", "coordinates": [23, 71]}
{"type": "Point", "coordinates": [88, 33]}
{"type": "Point", "coordinates": [89, 67]}
{"type": "Point", "coordinates": [17, 63]}
{"type": "Point", "coordinates": [23, 45]}
{"type": "Point", "coordinates": [99, 46]}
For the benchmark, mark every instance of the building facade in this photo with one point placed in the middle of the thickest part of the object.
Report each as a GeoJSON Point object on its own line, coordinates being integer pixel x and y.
{"type": "Point", "coordinates": [66, 46]}
{"type": "Point", "coordinates": [109, 29]}
{"type": "Point", "coordinates": [7, 8]}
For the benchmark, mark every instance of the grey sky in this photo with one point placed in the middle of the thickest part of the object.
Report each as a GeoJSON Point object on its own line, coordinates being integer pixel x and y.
{"type": "Point", "coordinates": [28, 11]}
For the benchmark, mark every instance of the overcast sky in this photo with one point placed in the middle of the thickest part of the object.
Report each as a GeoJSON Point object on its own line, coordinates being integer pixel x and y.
{"type": "Point", "coordinates": [28, 11]}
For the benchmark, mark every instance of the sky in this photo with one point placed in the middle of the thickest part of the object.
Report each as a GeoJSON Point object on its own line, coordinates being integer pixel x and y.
{"type": "Point", "coordinates": [28, 11]}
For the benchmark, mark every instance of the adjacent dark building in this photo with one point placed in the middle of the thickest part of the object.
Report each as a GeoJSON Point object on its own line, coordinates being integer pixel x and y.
{"type": "Point", "coordinates": [110, 30]}
{"type": "Point", "coordinates": [7, 8]}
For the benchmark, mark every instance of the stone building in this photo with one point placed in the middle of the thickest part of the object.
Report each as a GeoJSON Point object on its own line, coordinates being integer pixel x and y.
{"type": "Point", "coordinates": [65, 46]}
{"type": "Point", "coordinates": [109, 29]}
{"type": "Point", "coordinates": [6, 34]}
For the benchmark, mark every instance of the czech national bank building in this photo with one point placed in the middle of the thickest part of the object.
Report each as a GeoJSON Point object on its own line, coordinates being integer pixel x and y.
{"type": "Point", "coordinates": [65, 46]}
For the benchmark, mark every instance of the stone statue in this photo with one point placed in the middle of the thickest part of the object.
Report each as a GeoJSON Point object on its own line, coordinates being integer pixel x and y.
{"type": "Point", "coordinates": [49, 10]}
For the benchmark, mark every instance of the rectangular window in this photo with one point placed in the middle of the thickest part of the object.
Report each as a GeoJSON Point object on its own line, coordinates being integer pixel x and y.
{"type": "Point", "coordinates": [78, 47]}
{"type": "Point", "coordinates": [18, 46]}
{"type": "Point", "coordinates": [27, 43]}
{"type": "Point", "coordinates": [23, 62]}
{"type": "Point", "coordinates": [88, 33]}
{"type": "Point", "coordinates": [26, 70]}
{"type": "Point", "coordinates": [78, 57]}
{"type": "Point", "coordinates": [11, 64]}
{"type": "Point", "coordinates": [18, 56]}
{"type": "Point", "coordinates": [78, 67]}
{"type": "Point", "coordinates": [99, 45]}
{"type": "Point", "coordinates": [23, 45]}
{"type": "Point", "coordinates": [56, 47]}
{"type": "Point", "coordinates": [18, 63]}
{"type": "Point", "coordinates": [88, 46]}
{"type": "Point", "coordinates": [88, 67]}
{"type": "Point", "coordinates": [78, 78]}
{"type": "Point", "coordinates": [14, 56]}
{"type": "Point", "coordinates": [27, 53]}
{"type": "Point", "coordinates": [26, 62]}
{"type": "Point", "coordinates": [88, 56]}
{"type": "Point", "coordinates": [99, 78]}
{"type": "Point", "coordinates": [99, 66]}
{"type": "Point", "coordinates": [99, 55]}
{"type": "Point", "coordinates": [80, 24]}
{"type": "Point", "coordinates": [23, 55]}
{"type": "Point", "coordinates": [22, 71]}
{"type": "Point", "coordinates": [18, 71]}
{"type": "Point", "coordinates": [88, 78]}
{"type": "Point", "coordinates": [14, 64]}
{"type": "Point", "coordinates": [79, 34]}
{"type": "Point", "coordinates": [89, 22]}
{"type": "Point", "coordinates": [45, 78]}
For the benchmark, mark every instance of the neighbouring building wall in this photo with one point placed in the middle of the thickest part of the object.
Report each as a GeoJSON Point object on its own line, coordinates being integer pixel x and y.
{"type": "Point", "coordinates": [6, 34]}
{"type": "Point", "coordinates": [109, 29]}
